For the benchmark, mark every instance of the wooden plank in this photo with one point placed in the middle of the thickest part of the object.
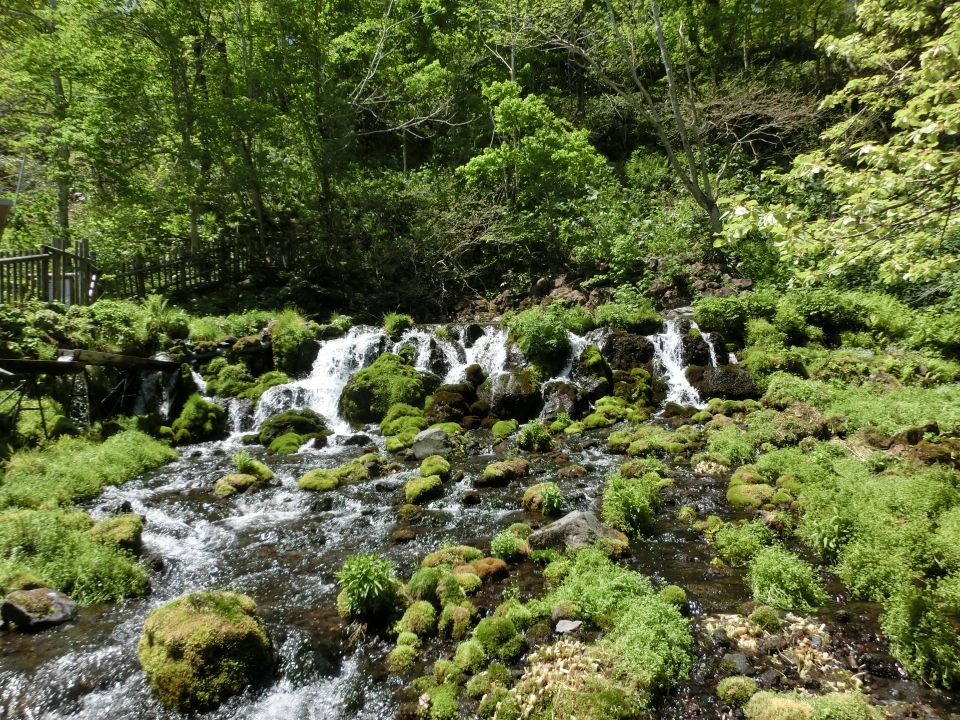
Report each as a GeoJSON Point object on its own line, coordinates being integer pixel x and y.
{"type": "Point", "coordinates": [90, 357]}
{"type": "Point", "coordinates": [23, 259]}
{"type": "Point", "coordinates": [48, 367]}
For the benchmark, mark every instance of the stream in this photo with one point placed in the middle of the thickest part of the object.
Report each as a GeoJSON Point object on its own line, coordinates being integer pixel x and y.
{"type": "Point", "coordinates": [282, 546]}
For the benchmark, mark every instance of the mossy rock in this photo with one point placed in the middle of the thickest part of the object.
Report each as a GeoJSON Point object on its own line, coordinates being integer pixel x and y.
{"type": "Point", "coordinates": [435, 465]}
{"type": "Point", "coordinates": [235, 483]}
{"type": "Point", "coordinates": [574, 428]}
{"type": "Point", "coordinates": [198, 422]}
{"type": "Point", "coordinates": [533, 497]}
{"type": "Point", "coordinates": [498, 637]}
{"type": "Point", "coordinates": [305, 423]}
{"type": "Point", "coordinates": [418, 490]}
{"type": "Point", "coordinates": [736, 691]}
{"type": "Point", "coordinates": [371, 392]}
{"type": "Point", "coordinates": [320, 480]}
{"type": "Point", "coordinates": [259, 470]}
{"type": "Point", "coordinates": [456, 555]}
{"type": "Point", "coordinates": [401, 418]}
{"type": "Point", "coordinates": [499, 474]}
{"type": "Point", "coordinates": [419, 619]}
{"type": "Point", "coordinates": [124, 531]}
{"type": "Point", "coordinates": [750, 495]}
{"type": "Point", "coordinates": [286, 444]}
{"type": "Point", "coordinates": [503, 428]}
{"type": "Point", "coordinates": [401, 441]}
{"type": "Point", "coordinates": [202, 648]}
{"type": "Point", "coordinates": [596, 420]}
{"type": "Point", "coordinates": [402, 658]}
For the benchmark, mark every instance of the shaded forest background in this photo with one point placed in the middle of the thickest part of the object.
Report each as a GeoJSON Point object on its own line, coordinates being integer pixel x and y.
{"type": "Point", "coordinates": [422, 150]}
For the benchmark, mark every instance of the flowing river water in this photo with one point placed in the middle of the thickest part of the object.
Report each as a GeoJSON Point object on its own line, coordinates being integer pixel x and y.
{"type": "Point", "coordinates": [282, 546]}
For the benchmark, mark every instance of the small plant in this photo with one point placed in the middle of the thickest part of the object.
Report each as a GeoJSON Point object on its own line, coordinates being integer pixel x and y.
{"type": "Point", "coordinates": [551, 499]}
{"type": "Point", "coordinates": [921, 637]}
{"type": "Point", "coordinates": [765, 618]}
{"type": "Point", "coordinates": [737, 544]}
{"type": "Point", "coordinates": [368, 584]}
{"type": "Point", "coordinates": [508, 547]}
{"type": "Point", "coordinates": [442, 332]}
{"type": "Point", "coordinates": [243, 462]}
{"type": "Point", "coordinates": [629, 504]}
{"type": "Point", "coordinates": [534, 437]}
{"type": "Point", "coordinates": [780, 579]}
{"type": "Point", "coordinates": [395, 324]}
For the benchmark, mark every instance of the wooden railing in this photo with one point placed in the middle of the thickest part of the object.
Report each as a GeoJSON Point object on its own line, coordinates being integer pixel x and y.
{"type": "Point", "coordinates": [48, 273]}
{"type": "Point", "coordinates": [75, 278]}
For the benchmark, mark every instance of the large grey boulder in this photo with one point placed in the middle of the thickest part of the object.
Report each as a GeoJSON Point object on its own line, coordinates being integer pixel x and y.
{"type": "Point", "coordinates": [623, 350]}
{"type": "Point", "coordinates": [560, 396]}
{"type": "Point", "coordinates": [513, 395]}
{"type": "Point", "coordinates": [574, 530]}
{"type": "Point", "coordinates": [432, 441]}
{"type": "Point", "coordinates": [730, 382]}
{"type": "Point", "coordinates": [39, 609]}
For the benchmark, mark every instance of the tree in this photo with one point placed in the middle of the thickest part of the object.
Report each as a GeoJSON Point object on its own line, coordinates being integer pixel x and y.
{"type": "Point", "coordinates": [891, 165]}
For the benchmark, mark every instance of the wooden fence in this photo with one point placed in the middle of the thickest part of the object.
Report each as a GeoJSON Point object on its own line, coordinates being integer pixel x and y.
{"type": "Point", "coordinates": [48, 273]}
{"type": "Point", "coordinates": [75, 278]}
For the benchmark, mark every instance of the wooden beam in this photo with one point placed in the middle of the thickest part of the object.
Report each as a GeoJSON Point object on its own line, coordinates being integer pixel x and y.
{"type": "Point", "coordinates": [35, 367]}
{"type": "Point", "coordinates": [90, 357]}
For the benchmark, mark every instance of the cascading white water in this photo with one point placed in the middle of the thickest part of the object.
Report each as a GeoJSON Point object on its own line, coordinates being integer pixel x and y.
{"type": "Point", "coordinates": [577, 344]}
{"type": "Point", "coordinates": [668, 354]}
{"type": "Point", "coordinates": [320, 391]}
{"type": "Point", "coordinates": [709, 341]}
{"type": "Point", "coordinates": [147, 393]}
{"type": "Point", "coordinates": [489, 351]}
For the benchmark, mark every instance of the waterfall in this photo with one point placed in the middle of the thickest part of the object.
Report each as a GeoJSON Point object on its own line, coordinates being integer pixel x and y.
{"type": "Point", "coordinates": [489, 352]}
{"type": "Point", "coordinates": [577, 345]}
{"type": "Point", "coordinates": [320, 391]}
{"type": "Point", "coordinates": [147, 395]}
{"type": "Point", "coordinates": [668, 353]}
{"type": "Point", "coordinates": [709, 341]}
{"type": "Point", "coordinates": [168, 393]}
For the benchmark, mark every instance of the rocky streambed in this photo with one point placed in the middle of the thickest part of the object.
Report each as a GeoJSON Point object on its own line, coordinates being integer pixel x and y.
{"type": "Point", "coordinates": [282, 545]}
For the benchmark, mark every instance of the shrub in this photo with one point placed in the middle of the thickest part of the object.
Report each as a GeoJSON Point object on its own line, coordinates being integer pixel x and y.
{"type": "Point", "coordinates": [738, 543]}
{"type": "Point", "coordinates": [736, 691]}
{"type": "Point", "coordinates": [652, 645]}
{"type": "Point", "coordinates": [508, 547]}
{"type": "Point", "coordinates": [539, 336]}
{"type": "Point", "coordinates": [551, 499]}
{"type": "Point", "coordinates": [368, 584]}
{"type": "Point", "coordinates": [717, 314]}
{"type": "Point", "coordinates": [629, 504]}
{"type": "Point", "coordinates": [921, 637]}
{"type": "Point", "coordinates": [534, 437]}
{"type": "Point", "coordinates": [396, 324]}
{"type": "Point", "coordinates": [780, 579]}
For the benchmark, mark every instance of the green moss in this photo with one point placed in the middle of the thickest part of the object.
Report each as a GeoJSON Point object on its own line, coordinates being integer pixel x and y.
{"type": "Point", "coordinates": [403, 657]}
{"type": "Point", "coordinates": [736, 691]}
{"type": "Point", "coordinates": [286, 444]}
{"type": "Point", "coordinates": [423, 585]}
{"type": "Point", "coordinates": [501, 473]}
{"type": "Point", "coordinates": [371, 392]}
{"type": "Point", "coordinates": [418, 490]}
{"type": "Point", "coordinates": [455, 555]}
{"type": "Point", "coordinates": [545, 497]}
{"type": "Point", "coordinates": [320, 480]}
{"type": "Point", "coordinates": [419, 619]}
{"type": "Point", "coordinates": [304, 423]}
{"type": "Point", "coordinates": [202, 648]}
{"type": "Point", "coordinates": [515, 611]}
{"type": "Point", "coordinates": [767, 705]}
{"type": "Point", "coordinates": [497, 636]}
{"type": "Point", "coordinates": [455, 620]}
{"type": "Point", "coordinates": [198, 422]}
{"type": "Point", "coordinates": [508, 547]}
{"type": "Point", "coordinates": [750, 495]}
{"type": "Point", "coordinates": [738, 543]}
{"type": "Point", "coordinates": [443, 703]}
{"type": "Point", "coordinates": [237, 482]}
{"type": "Point", "coordinates": [396, 324]}
{"type": "Point", "coordinates": [124, 531]}
{"type": "Point", "coordinates": [780, 579]}
{"type": "Point", "coordinates": [469, 582]}
{"type": "Point", "coordinates": [765, 618]}
{"type": "Point", "coordinates": [401, 441]}
{"type": "Point", "coordinates": [674, 595]}
{"type": "Point", "coordinates": [470, 656]}
{"type": "Point", "coordinates": [402, 418]}
{"type": "Point", "coordinates": [294, 341]}
{"type": "Point", "coordinates": [435, 465]}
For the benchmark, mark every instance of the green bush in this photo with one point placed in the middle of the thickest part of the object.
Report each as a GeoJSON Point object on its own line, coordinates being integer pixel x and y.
{"type": "Point", "coordinates": [551, 499]}
{"type": "Point", "coordinates": [630, 504]}
{"type": "Point", "coordinates": [921, 637]}
{"type": "Point", "coordinates": [652, 645]}
{"type": "Point", "coordinates": [724, 315]}
{"type": "Point", "coordinates": [294, 342]}
{"type": "Point", "coordinates": [780, 579]}
{"type": "Point", "coordinates": [539, 335]}
{"type": "Point", "coordinates": [534, 437]}
{"type": "Point", "coordinates": [368, 584]}
{"type": "Point", "coordinates": [738, 543]}
{"type": "Point", "coordinates": [508, 547]}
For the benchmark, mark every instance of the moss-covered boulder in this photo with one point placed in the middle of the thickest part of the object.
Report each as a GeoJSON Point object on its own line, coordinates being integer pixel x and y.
{"type": "Point", "coordinates": [370, 392]}
{"type": "Point", "coordinates": [511, 395]}
{"type": "Point", "coordinates": [435, 465]}
{"type": "Point", "coordinates": [503, 428]}
{"type": "Point", "coordinates": [418, 490]}
{"type": "Point", "coordinates": [305, 423]}
{"type": "Point", "coordinates": [202, 648]}
{"type": "Point", "coordinates": [236, 483]}
{"type": "Point", "coordinates": [750, 495]}
{"type": "Point", "coordinates": [592, 373]}
{"type": "Point", "coordinates": [450, 403]}
{"type": "Point", "coordinates": [199, 421]}
{"type": "Point", "coordinates": [499, 474]}
{"type": "Point", "coordinates": [402, 418]}
{"type": "Point", "coordinates": [319, 480]}
{"type": "Point", "coordinates": [286, 444]}
{"type": "Point", "coordinates": [125, 531]}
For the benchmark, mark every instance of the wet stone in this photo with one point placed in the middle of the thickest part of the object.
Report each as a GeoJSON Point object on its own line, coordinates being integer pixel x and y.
{"type": "Point", "coordinates": [736, 663]}
{"type": "Point", "coordinates": [402, 536]}
{"type": "Point", "coordinates": [34, 610]}
{"type": "Point", "coordinates": [471, 497]}
{"type": "Point", "coordinates": [720, 637]}
{"type": "Point", "coordinates": [769, 677]}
